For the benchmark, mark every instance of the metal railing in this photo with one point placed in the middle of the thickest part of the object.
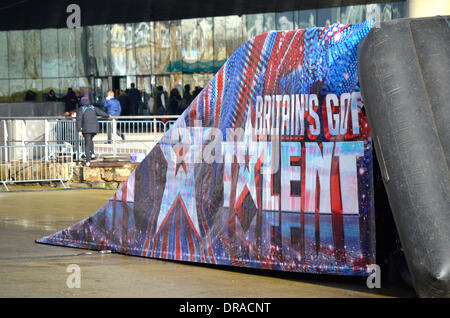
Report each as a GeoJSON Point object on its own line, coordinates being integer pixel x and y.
{"type": "Point", "coordinates": [118, 136]}
{"type": "Point", "coordinates": [36, 163]}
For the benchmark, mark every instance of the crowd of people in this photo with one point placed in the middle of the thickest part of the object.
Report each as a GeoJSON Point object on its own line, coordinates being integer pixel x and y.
{"type": "Point", "coordinates": [126, 102]}
{"type": "Point", "coordinates": [175, 103]}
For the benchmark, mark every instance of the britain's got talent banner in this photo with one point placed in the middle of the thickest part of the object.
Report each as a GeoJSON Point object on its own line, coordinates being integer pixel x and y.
{"type": "Point", "coordinates": [269, 167]}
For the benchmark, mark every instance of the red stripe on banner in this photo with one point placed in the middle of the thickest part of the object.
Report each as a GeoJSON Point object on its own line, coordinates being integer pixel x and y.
{"type": "Point", "coordinates": [190, 244]}
{"type": "Point", "coordinates": [317, 215]}
{"type": "Point", "coordinates": [177, 237]}
{"type": "Point", "coordinates": [124, 192]}
{"type": "Point", "coordinates": [259, 189]}
{"type": "Point", "coordinates": [219, 96]}
{"type": "Point", "coordinates": [193, 111]}
{"type": "Point", "coordinates": [206, 107]}
{"type": "Point", "coordinates": [302, 205]}
{"type": "Point", "coordinates": [164, 244]}
{"type": "Point", "coordinates": [317, 209]}
{"type": "Point", "coordinates": [336, 212]}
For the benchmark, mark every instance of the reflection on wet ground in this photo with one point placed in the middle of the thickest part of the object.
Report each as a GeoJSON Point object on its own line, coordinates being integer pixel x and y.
{"type": "Point", "coordinates": [28, 269]}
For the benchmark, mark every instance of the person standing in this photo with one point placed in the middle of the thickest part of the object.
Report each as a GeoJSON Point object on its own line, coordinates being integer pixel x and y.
{"type": "Point", "coordinates": [112, 105]}
{"type": "Point", "coordinates": [174, 101]}
{"type": "Point", "coordinates": [197, 91]}
{"type": "Point", "coordinates": [134, 98]}
{"type": "Point", "coordinates": [113, 108]}
{"type": "Point", "coordinates": [30, 96]}
{"type": "Point", "coordinates": [71, 100]}
{"type": "Point", "coordinates": [87, 126]}
{"type": "Point", "coordinates": [161, 102]}
{"type": "Point", "coordinates": [187, 94]}
{"type": "Point", "coordinates": [186, 100]}
{"type": "Point", "coordinates": [154, 104]}
{"type": "Point", "coordinates": [123, 100]}
{"type": "Point", "coordinates": [51, 96]}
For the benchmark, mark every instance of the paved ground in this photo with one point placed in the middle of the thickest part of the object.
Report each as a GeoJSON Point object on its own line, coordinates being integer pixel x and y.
{"type": "Point", "coordinates": [28, 269]}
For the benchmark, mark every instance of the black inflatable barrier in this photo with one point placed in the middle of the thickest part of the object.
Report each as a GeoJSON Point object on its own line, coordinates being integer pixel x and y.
{"type": "Point", "coordinates": [404, 73]}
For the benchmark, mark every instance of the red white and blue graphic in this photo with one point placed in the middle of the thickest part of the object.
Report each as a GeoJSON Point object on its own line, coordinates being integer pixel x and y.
{"type": "Point", "coordinates": [270, 167]}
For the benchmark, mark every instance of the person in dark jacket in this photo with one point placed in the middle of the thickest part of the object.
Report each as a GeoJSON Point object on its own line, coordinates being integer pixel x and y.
{"type": "Point", "coordinates": [134, 98]}
{"type": "Point", "coordinates": [187, 94]}
{"type": "Point", "coordinates": [30, 96]}
{"type": "Point", "coordinates": [87, 126]}
{"type": "Point", "coordinates": [51, 96]}
{"type": "Point", "coordinates": [197, 91]}
{"type": "Point", "coordinates": [71, 100]}
{"type": "Point", "coordinates": [174, 101]}
{"type": "Point", "coordinates": [123, 99]}
{"type": "Point", "coordinates": [186, 100]}
{"type": "Point", "coordinates": [161, 102]}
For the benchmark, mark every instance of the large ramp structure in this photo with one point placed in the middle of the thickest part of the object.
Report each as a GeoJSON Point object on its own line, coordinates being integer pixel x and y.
{"type": "Point", "coordinates": [269, 167]}
{"type": "Point", "coordinates": [404, 68]}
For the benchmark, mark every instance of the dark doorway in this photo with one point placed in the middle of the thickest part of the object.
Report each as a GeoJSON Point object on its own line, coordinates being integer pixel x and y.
{"type": "Point", "coordinates": [118, 84]}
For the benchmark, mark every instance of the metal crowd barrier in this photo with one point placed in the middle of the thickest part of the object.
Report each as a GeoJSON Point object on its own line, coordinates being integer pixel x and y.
{"type": "Point", "coordinates": [36, 163]}
{"type": "Point", "coordinates": [117, 136]}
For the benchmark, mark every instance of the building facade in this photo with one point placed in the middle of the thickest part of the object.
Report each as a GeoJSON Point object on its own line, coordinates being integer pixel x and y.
{"type": "Point", "coordinates": [168, 53]}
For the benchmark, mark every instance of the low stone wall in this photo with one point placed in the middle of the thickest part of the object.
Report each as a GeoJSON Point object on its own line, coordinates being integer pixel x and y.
{"type": "Point", "coordinates": [103, 174]}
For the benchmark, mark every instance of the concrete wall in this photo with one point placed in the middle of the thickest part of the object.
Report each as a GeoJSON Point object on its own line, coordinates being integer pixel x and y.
{"type": "Point", "coordinates": [30, 109]}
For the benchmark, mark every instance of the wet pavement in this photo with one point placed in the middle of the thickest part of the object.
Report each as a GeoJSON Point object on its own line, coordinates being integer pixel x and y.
{"type": "Point", "coordinates": [28, 269]}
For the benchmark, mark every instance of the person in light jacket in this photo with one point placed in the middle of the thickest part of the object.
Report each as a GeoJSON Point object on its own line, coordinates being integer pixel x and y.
{"type": "Point", "coordinates": [112, 105]}
{"type": "Point", "coordinates": [113, 108]}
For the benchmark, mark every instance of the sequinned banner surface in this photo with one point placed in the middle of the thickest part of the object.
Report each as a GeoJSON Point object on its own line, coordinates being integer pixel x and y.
{"type": "Point", "coordinates": [269, 167]}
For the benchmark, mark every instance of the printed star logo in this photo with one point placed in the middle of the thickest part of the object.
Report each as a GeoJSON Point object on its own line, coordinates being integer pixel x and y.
{"type": "Point", "coordinates": [180, 183]}
{"type": "Point", "coordinates": [246, 175]}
